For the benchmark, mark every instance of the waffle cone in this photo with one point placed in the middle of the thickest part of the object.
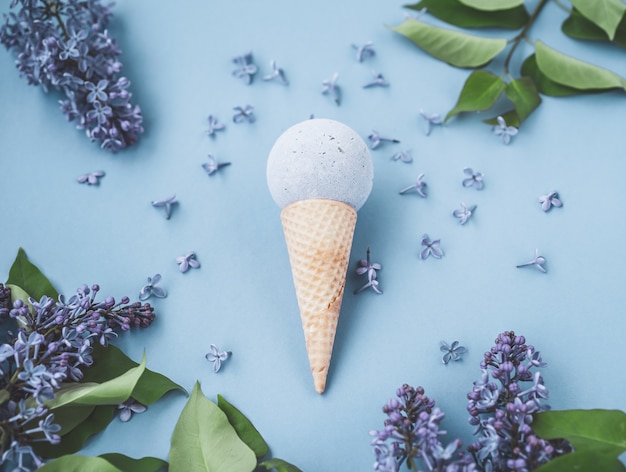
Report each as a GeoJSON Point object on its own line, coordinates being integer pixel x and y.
{"type": "Point", "coordinates": [319, 234]}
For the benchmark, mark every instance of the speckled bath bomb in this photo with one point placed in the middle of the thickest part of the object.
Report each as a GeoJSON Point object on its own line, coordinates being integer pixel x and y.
{"type": "Point", "coordinates": [320, 158]}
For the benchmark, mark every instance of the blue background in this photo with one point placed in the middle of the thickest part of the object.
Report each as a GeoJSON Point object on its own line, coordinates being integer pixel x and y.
{"type": "Point", "coordinates": [178, 56]}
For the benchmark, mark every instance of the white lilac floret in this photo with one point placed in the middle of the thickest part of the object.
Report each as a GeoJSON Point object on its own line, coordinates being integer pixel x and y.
{"type": "Point", "coordinates": [330, 87]}
{"type": "Point", "coordinates": [366, 266]}
{"type": "Point", "coordinates": [217, 357]}
{"type": "Point", "coordinates": [475, 179]}
{"type": "Point", "coordinates": [431, 248]}
{"type": "Point", "coordinates": [213, 166]}
{"type": "Point", "coordinates": [538, 262]}
{"type": "Point", "coordinates": [377, 139]}
{"type": "Point", "coordinates": [130, 407]}
{"type": "Point", "coordinates": [187, 261]}
{"type": "Point", "coordinates": [505, 132]}
{"type": "Point", "coordinates": [151, 289]}
{"type": "Point", "coordinates": [167, 204]}
{"type": "Point", "coordinates": [550, 200]}
{"type": "Point", "coordinates": [404, 156]}
{"type": "Point", "coordinates": [432, 119]}
{"type": "Point", "coordinates": [244, 114]}
{"type": "Point", "coordinates": [378, 81]}
{"type": "Point", "coordinates": [214, 126]}
{"type": "Point", "coordinates": [364, 51]}
{"type": "Point", "coordinates": [464, 213]}
{"type": "Point", "coordinates": [65, 45]}
{"type": "Point", "coordinates": [52, 345]}
{"type": "Point", "coordinates": [418, 186]}
{"type": "Point", "coordinates": [91, 178]}
{"type": "Point", "coordinates": [277, 74]}
{"type": "Point", "coordinates": [246, 69]}
{"type": "Point", "coordinates": [452, 351]}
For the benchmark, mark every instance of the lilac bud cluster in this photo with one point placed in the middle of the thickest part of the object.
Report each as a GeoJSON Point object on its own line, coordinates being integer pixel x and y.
{"type": "Point", "coordinates": [501, 406]}
{"type": "Point", "coordinates": [52, 345]}
{"type": "Point", "coordinates": [64, 44]}
{"type": "Point", "coordinates": [411, 434]}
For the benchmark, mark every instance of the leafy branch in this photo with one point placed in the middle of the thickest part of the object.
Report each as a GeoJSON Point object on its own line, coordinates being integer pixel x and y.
{"type": "Point", "coordinates": [544, 72]}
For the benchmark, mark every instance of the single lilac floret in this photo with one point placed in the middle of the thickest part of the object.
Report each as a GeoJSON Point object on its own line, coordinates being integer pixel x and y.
{"type": "Point", "coordinates": [464, 213]}
{"type": "Point", "coordinates": [130, 407]}
{"type": "Point", "coordinates": [378, 81]}
{"type": "Point", "coordinates": [417, 15]}
{"type": "Point", "coordinates": [433, 119]}
{"type": "Point", "coordinates": [418, 186]}
{"type": "Point", "coordinates": [537, 262]}
{"type": "Point", "coordinates": [150, 289]}
{"type": "Point", "coordinates": [213, 166]}
{"type": "Point", "coordinates": [431, 248]}
{"type": "Point", "coordinates": [167, 204]}
{"type": "Point", "coordinates": [377, 139]}
{"type": "Point", "coordinates": [187, 261]}
{"type": "Point", "coordinates": [277, 74]}
{"type": "Point", "coordinates": [91, 178]}
{"type": "Point", "coordinates": [475, 179]}
{"type": "Point", "coordinates": [365, 266]}
{"type": "Point", "coordinates": [404, 156]}
{"type": "Point", "coordinates": [217, 357]}
{"type": "Point", "coordinates": [365, 51]}
{"type": "Point", "coordinates": [330, 87]}
{"type": "Point", "coordinates": [214, 126]}
{"type": "Point", "coordinates": [550, 200]}
{"type": "Point", "coordinates": [246, 69]}
{"type": "Point", "coordinates": [452, 351]}
{"type": "Point", "coordinates": [505, 132]}
{"type": "Point", "coordinates": [244, 114]}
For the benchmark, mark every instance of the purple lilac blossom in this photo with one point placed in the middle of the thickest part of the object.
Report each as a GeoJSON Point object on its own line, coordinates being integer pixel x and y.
{"type": "Point", "coordinates": [53, 344]}
{"type": "Point", "coordinates": [65, 45]}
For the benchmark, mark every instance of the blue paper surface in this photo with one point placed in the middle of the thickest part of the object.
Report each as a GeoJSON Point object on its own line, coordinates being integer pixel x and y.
{"type": "Point", "coordinates": [178, 56]}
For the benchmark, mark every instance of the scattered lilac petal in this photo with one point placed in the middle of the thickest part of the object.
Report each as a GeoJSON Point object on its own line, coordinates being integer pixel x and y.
{"type": "Point", "coordinates": [550, 200]}
{"type": "Point", "coordinates": [365, 266]}
{"type": "Point", "coordinates": [150, 289]}
{"type": "Point", "coordinates": [217, 357]}
{"type": "Point", "coordinates": [213, 166]}
{"type": "Point", "coordinates": [404, 156]}
{"type": "Point", "coordinates": [246, 69]}
{"type": "Point", "coordinates": [433, 119]}
{"type": "Point", "coordinates": [537, 262]}
{"type": "Point", "coordinates": [277, 74]}
{"type": "Point", "coordinates": [452, 351]}
{"type": "Point", "coordinates": [475, 179]}
{"type": "Point", "coordinates": [505, 132]}
{"type": "Point", "coordinates": [464, 213]}
{"type": "Point", "coordinates": [129, 407]}
{"type": "Point", "coordinates": [377, 139]}
{"type": "Point", "coordinates": [418, 186]}
{"type": "Point", "coordinates": [378, 81]}
{"type": "Point", "coordinates": [417, 15]}
{"type": "Point", "coordinates": [187, 261]}
{"type": "Point", "coordinates": [244, 114]}
{"type": "Point", "coordinates": [91, 178]}
{"type": "Point", "coordinates": [365, 51]}
{"type": "Point", "coordinates": [431, 248]}
{"type": "Point", "coordinates": [214, 126]}
{"type": "Point", "coordinates": [168, 204]}
{"type": "Point", "coordinates": [330, 87]}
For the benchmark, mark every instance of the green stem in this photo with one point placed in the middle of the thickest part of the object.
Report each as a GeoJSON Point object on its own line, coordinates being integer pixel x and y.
{"type": "Point", "coordinates": [522, 34]}
{"type": "Point", "coordinates": [53, 7]}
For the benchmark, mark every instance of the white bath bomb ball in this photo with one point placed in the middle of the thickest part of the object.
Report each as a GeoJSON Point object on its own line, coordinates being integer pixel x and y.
{"type": "Point", "coordinates": [320, 158]}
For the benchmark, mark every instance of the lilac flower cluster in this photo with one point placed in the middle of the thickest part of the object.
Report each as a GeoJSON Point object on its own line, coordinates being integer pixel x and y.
{"type": "Point", "coordinates": [412, 433]}
{"type": "Point", "coordinates": [52, 345]}
{"type": "Point", "coordinates": [64, 44]}
{"type": "Point", "coordinates": [501, 406]}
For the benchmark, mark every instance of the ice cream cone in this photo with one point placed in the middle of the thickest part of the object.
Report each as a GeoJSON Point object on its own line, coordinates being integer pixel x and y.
{"type": "Point", "coordinates": [319, 234]}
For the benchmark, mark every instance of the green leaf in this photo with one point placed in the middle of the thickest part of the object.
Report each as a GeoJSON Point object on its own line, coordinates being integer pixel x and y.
{"type": "Point", "coordinates": [244, 428]}
{"type": "Point", "coordinates": [76, 463]}
{"type": "Point", "coordinates": [111, 392]}
{"type": "Point", "coordinates": [204, 440]}
{"type": "Point", "coordinates": [492, 5]}
{"type": "Point", "coordinates": [607, 14]}
{"type": "Point", "coordinates": [480, 92]}
{"type": "Point", "coordinates": [29, 278]}
{"type": "Point", "coordinates": [544, 84]}
{"type": "Point", "coordinates": [111, 362]}
{"type": "Point", "coordinates": [573, 72]}
{"type": "Point", "coordinates": [523, 93]}
{"type": "Point", "coordinates": [457, 49]}
{"type": "Point", "coordinates": [128, 464]}
{"type": "Point", "coordinates": [583, 462]}
{"type": "Point", "coordinates": [579, 27]}
{"type": "Point", "coordinates": [455, 13]}
{"type": "Point", "coordinates": [279, 465]}
{"type": "Point", "coordinates": [73, 441]}
{"type": "Point", "coordinates": [588, 430]}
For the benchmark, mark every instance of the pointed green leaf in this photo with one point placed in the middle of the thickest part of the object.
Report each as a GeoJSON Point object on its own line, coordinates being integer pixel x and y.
{"type": "Point", "coordinates": [204, 441]}
{"type": "Point", "coordinates": [583, 462]}
{"type": "Point", "coordinates": [523, 93]}
{"type": "Point", "coordinates": [480, 92]}
{"type": "Point", "coordinates": [607, 14]}
{"type": "Point", "coordinates": [575, 73]}
{"type": "Point", "coordinates": [588, 430]}
{"type": "Point", "coordinates": [111, 392]}
{"type": "Point", "coordinates": [455, 13]}
{"type": "Point", "coordinates": [244, 428]}
{"type": "Point", "coordinates": [544, 84]}
{"type": "Point", "coordinates": [457, 49]}
{"type": "Point", "coordinates": [579, 27]}
{"type": "Point", "coordinates": [492, 5]}
{"type": "Point", "coordinates": [111, 362]}
{"type": "Point", "coordinates": [76, 463]}
{"type": "Point", "coordinates": [128, 464]}
{"type": "Point", "coordinates": [73, 441]}
{"type": "Point", "coordinates": [279, 465]}
{"type": "Point", "coordinates": [29, 278]}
